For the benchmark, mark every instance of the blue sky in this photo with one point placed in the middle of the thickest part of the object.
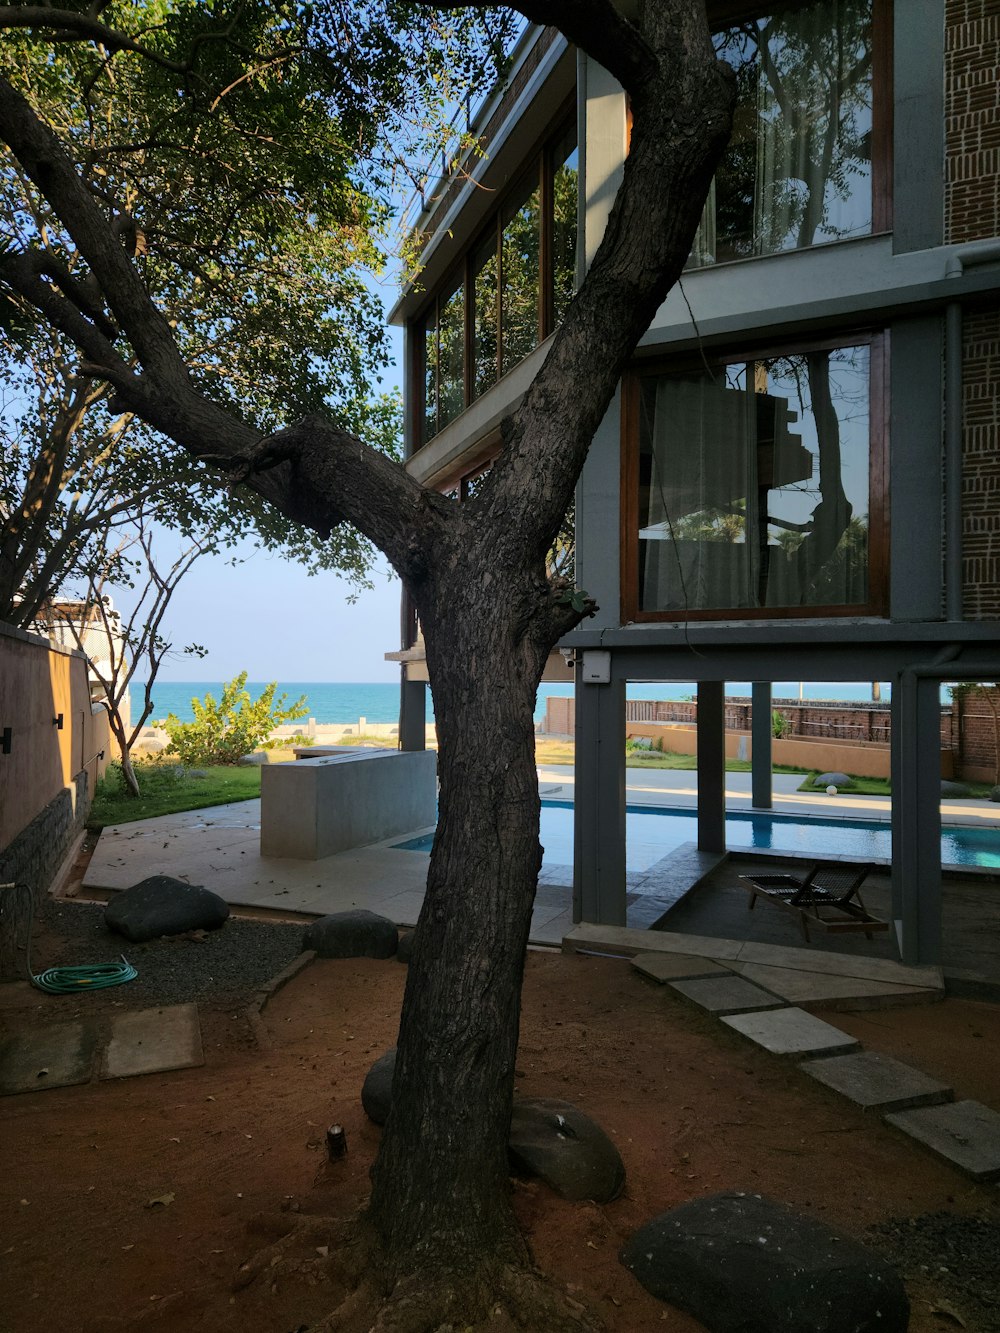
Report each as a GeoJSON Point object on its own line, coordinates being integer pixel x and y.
{"type": "Point", "coordinates": [268, 617]}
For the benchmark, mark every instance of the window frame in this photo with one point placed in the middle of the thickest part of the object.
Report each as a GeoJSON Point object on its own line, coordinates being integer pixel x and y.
{"type": "Point", "coordinates": [538, 165]}
{"type": "Point", "coordinates": [724, 12]}
{"type": "Point", "coordinates": [876, 606]}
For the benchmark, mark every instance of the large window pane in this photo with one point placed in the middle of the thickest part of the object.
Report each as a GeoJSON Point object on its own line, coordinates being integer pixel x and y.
{"type": "Point", "coordinates": [564, 212]}
{"type": "Point", "coordinates": [451, 353]}
{"type": "Point", "coordinates": [797, 171]}
{"type": "Point", "coordinates": [519, 277]}
{"type": "Point", "coordinates": [484, 296]}
{"type": "Point", "coordinates": [754, 484]}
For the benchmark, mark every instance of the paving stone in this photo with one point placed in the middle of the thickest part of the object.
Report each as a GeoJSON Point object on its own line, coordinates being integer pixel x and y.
{"type": "Point", "coordinates": [677, 966]}
{"type": "Point", "coordinates": [55, 1057]}
{"type": "Point", "coordinates": [149, 1041]}
{"type": "Point", "coordinates": [966, 1134]}
{"type": "Point", "coordinates": [878, 1082]}
{"type": "Point", "coordinates": [847, 992]}
{"type": "Point", "coordinates": [726, 995]}
{"type": "Point", "coordinates": [792, 1032]}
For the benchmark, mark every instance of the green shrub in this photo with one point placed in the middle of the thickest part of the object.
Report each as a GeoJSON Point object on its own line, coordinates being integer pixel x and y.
{"type": "Point", "coordinates": [780, 725]}
{"type": "Point", "coordinates": [289, 742]}
{"type": "Point", "coordinates": [223, 732]}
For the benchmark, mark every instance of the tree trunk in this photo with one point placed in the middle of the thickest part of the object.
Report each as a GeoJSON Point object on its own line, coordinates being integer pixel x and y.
{"type": "Point", "coordinates": [128, 771]}
{"type": "Point", "coordinates": [440, 1194]}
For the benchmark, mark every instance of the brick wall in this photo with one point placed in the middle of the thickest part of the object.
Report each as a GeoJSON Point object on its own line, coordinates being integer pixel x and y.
{"type": "Point", "coordinates": [981, 465]}
{"type": "Point", "coordinates": [972, 119]}
{"type": "Point", "coordinates": [975, 738]}
{"type": "Point", "coordinates": [972, 212]}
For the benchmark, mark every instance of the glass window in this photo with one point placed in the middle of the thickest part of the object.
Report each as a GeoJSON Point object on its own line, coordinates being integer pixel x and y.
{"type": "Point", "coordinates": [519, 248]}
{"type": "Point", "coordinates": [485, 290]}
{"type": "Point", "coordinates": [451, 354]}
{"type": "Point", "coordinates": [754, 484]}
{"type": "Point", "coordinates": [430, 377]}
{"type": "Point", "coordinates": [564, 213]}
{"type": "Point", "coordinates": [798, 169]}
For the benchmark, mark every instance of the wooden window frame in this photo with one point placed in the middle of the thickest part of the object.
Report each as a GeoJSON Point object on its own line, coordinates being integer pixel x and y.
{"type": "Point", "coordinates": [878, 488]}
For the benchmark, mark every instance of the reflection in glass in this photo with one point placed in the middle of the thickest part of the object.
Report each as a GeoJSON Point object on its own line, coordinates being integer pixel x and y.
{"type": "Point", "coordinates": [564, 213]}
{"type": "Point", "coordinates": [754, 484]}
{"type": "Point", "coordinates": [519, 277]}
{"type": "Point", "coordinates": [430, 376]}
{"type": "Point", "coordinates": [797, 171]}
{"type": "Point", "coordinates": [451, 355]}
{"type": "Point", "coordinates": [484, 289]}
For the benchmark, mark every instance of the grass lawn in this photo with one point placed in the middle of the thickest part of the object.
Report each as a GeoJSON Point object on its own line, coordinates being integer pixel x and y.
{"type": "Point", "coordinates": [556, 751]}
{"type": "Point", "coordinates": [166, 789]}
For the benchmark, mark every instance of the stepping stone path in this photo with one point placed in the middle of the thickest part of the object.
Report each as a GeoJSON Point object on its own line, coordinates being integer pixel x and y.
{"type": "Point", "coordinates": [741, 1263]}
{"type": "Point", "coordinates": [664, 967]}
{"type": "Point", "coordinates": [878, 1082]}
{"type": "Point", "coordinates": [966, 1134]}
{"type": "Point", "coordinates": [792, 1032]}
{"type": "Point", "coordinates": [726, 995]}
{"type": "Point", "coordinates": [141, 1041]}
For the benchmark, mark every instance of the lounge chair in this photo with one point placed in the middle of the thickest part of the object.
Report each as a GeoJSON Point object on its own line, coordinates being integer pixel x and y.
{"type": "Point", "coordinates": [828, 896]}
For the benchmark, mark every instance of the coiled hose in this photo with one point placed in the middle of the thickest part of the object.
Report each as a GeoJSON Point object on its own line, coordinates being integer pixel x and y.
{"type": "Point", "coordinates": [69, 980]}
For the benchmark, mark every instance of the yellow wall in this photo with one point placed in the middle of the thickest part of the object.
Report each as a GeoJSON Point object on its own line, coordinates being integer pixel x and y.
{"type": "Point", "coordinates": [37, 683]}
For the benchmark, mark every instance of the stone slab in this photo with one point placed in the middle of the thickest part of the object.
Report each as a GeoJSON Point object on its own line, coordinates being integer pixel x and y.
{"type": "Point", "coordinates": [839, 964]}
{"type": "Point", "coordinates": [626, 942]}
{"type": "Point", "coordinates": [792, 1032]}
{"type": "Point", "coordinates": [726, 995]}
{"type": "Point", "coordinates": [664, 967]}
{"type": "Point", "coordinates": [966, 1134]}
{"type": "Point", "coordinates": [149, 1041]}
{"type": "Point", "coordinates": [55, 1057]}
{"type": "Point", "coordinates": [316, 807]}
{"type": "Point", "coordinates": [824, 988]}
{"type": "Point", "coordinates": [877, 1082]}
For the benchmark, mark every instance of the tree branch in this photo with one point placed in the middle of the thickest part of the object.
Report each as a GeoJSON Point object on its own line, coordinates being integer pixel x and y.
{"type": "Point", "coordinates": [68, 25]}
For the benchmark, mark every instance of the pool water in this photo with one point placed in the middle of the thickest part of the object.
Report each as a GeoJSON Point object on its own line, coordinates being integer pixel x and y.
{"type": "Point", "coordinates": [650, 834]}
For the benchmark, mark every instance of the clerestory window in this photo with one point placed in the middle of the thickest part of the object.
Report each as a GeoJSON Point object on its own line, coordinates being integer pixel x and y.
{"type": "Point", "coordinates": [808, 158]}
{"type": "Point", "coordinates": [507, 293]}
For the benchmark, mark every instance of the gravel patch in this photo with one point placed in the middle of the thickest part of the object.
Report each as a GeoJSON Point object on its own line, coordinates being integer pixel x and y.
{"type": "Point", "coordinates": [223, 969]}
{"type": "Point", "coordinates": [958, 1255]}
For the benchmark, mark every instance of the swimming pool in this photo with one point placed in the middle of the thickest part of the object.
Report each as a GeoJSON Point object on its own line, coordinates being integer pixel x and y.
{"type": "Point", "coordinates": [651, 833]}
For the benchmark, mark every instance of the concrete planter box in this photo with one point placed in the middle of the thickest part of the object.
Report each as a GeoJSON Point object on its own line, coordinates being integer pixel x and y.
{"type": "Point", "coordinates": [316, 807]}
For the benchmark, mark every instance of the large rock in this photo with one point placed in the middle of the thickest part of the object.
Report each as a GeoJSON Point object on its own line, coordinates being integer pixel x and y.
{"type": "Point", "coordinates": [556, 1141]}
{"type": "Point", "coordinates": [376, 1091]}
{"type": "Point", "coordinates": [743, 1264]}
{"type": "Point", "coordinates": [832, 780]}
{"type": "Point", "coordinates": [954, 790]}
{"type": "Point", "coordinates": [357, 934]}
{"type": "Point", "coordinates": [161, 905]}
{"type": "Point", "coordinates": [404, 951]}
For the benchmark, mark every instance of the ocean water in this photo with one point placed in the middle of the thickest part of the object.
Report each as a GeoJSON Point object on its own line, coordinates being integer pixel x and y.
{"type": "Point", "coordinates": [344, 702]}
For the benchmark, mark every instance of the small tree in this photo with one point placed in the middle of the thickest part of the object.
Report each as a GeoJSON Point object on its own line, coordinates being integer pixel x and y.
{"type": "Point", "coordinates": [130, 643]}
{"type": "Point", "coordinates": [224, 732]}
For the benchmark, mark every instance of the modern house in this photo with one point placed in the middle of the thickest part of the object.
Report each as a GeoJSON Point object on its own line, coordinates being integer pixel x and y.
{"type": "Point", "coordinates": [799, 478]}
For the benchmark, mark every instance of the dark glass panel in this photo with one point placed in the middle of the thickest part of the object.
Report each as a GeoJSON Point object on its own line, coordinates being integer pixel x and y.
{"type": "Point", "coordinates": [564, 223]}
{"type": "Point", "coordinates": [451, 345]}
{"type": "Point", "coordinates": [485, 292]}
{"type": "Point", "coordinates": [519, 276]}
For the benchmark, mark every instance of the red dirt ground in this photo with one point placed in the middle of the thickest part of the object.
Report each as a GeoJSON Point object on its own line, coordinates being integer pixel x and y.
{"type": "Point", "coordinates": [692, 1108]}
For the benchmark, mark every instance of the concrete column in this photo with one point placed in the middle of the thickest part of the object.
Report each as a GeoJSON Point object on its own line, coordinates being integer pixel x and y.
{"type": "Point", "coordinates": [599, 821]}
{"type": "Point", "coordinates": [916, 843]}
{"type": "Point", "coordinates": [712, 765]}
{"type": "Point", "coordinates": [760, 740]}
{"type": "Point", "coordinates": [412, 714]}
{"type": "Point", "coordinates": [898, 783]}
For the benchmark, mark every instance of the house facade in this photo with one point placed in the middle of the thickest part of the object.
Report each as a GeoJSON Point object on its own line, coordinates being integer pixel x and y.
{"type": "Point", "coordinates": [800, 474]}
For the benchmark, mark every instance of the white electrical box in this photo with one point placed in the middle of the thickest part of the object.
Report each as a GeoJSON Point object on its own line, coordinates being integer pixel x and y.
{"type": "Point", "coordinates": [597, 668]}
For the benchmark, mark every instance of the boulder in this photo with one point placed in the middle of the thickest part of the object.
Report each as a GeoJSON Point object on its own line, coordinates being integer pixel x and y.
{"type": "Point", "coordinates": [376, 1091]}
{"type": "Point", "coordinates": [404, 949]}
{"type": "Point", "coordinates": [741, 1263]}
{"type": "Point", "coordinates": [832, 780]}
{"type": "Point", "coordinates": [357, 934]}
{"type": "Point", "coordinates": [994, 794]}
{"type": "Point", "coordinates": [954, 789]}
{"type": "Point", "coordinates": [161, 905]}
{"type": "Point", "coordinates": [556, 1141]}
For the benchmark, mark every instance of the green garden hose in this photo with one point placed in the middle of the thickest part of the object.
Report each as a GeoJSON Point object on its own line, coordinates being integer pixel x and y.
{"type": "Point", "coordinates": [70, 980]}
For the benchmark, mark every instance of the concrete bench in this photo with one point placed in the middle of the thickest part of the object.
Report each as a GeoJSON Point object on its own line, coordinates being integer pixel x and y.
{"type": "Point", "coordinates": [330, 803]}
